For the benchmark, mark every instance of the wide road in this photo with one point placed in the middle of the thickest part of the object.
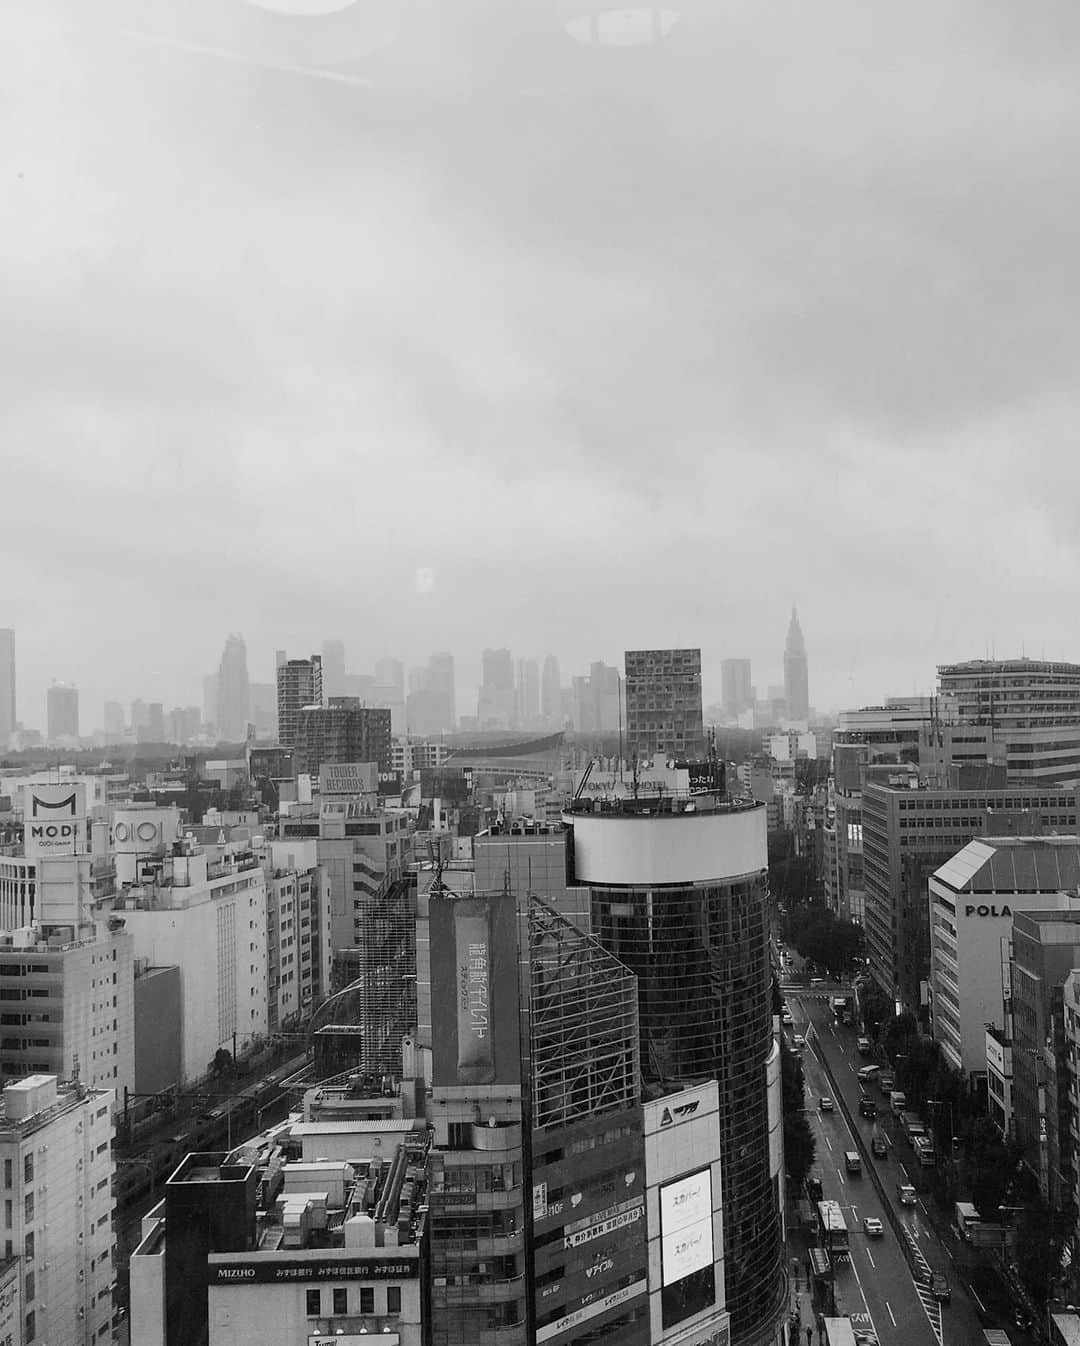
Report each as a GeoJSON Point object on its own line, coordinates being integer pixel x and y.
{"type": "Point", "coordinates": [891, 1284]}
{"type": "Point", "coordinates": [875, 1287]}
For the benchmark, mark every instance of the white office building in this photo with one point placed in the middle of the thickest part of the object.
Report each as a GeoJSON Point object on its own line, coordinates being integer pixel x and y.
{"type": "Point", "coordinates": [57, 1170]}
{"type": "Point", "coordinates": [972, 901]}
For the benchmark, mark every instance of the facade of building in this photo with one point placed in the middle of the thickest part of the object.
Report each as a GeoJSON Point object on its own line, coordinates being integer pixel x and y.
{"type": "Point", "coordinates": [1031, 706]}
{"type": "Point", "coordinates": [537, 1220]}
{"type": "Point", "coordinates": [736, 687]}
{"type": "Point", "coordinates": [551, 692]}
{"type": "Point", "coordinates": [796, 672]}
{"type": "Point", "coordinates": [333, 668]}
{"type": "Point", "coordinates": [907, 833]}
{"type": "Point", "coordinates": [233, 692]}
{"type": "Point", "coordinates": [62, 713]}
{"type": "Point", "coordinates": [204, 911]}
{"type": "Point", "coordinates": [56, 1159]}
{"type": "Point", "coordinates": [265, 1246]}
{"type": "Point", "coordinates": [679, 896]}
{"type": "Point", "coordinates": [299, 684]}
{"type": "Point", "coordinates": [343, 731]}
{"type": "Point", "coordinates": [663, 704]}
{"type": "Point", "coordinates": [1045, 949]}
{"type": "Point", "coordinates": [7, 686]}
{"type": "Point", "coordinates": [297, 932]}
{"type": "Point", "coordinates": [974, 898]}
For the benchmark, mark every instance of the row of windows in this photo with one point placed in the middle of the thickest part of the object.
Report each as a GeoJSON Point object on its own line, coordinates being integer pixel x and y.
{"type": "Point", "coordinates": [363, 1300]}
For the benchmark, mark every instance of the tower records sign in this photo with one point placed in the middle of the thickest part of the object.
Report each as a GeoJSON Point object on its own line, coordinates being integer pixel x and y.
{"type": "Point", "coordinates": [54, 819]}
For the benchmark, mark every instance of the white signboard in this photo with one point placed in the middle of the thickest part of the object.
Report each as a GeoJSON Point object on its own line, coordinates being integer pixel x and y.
{"type": "Point", "coordinates": [686, 1226]}
{"type": "Point", "coordinates": [54, 819]}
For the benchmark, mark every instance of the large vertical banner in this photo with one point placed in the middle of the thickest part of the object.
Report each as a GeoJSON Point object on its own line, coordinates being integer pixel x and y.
{"type": "Point", "coordinates": [472, 943]}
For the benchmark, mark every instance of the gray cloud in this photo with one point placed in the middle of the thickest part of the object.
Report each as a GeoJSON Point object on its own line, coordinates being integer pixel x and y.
{"type": "Point", "coordinates": [635, 352]}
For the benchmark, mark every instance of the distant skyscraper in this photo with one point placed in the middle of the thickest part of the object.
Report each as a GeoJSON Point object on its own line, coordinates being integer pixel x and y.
{"type": "Point", "coordinates": [114, 719]}
{"type": "Point", "coordinates": [233, 692]}
{"type": "Point", "coordinates": [299, 684]}
{"type": "Point", "coordinates": [333, 668]}
{"type": "Point", "coordinates": [432, 700]}
{"type": "Point", "coordinates": [496, 704]}
{"type": "Point", "coordinates": [736, 693]}
{"type": "Point", "coordinates": [264, 709]}
{"type": "Point", "coordinates": [441, 680]}
{"type": "Point", "coordinates": [663, 704]}
{"type": "Point", "coordinates": [796, 681]}
{"type": "Point", "coordinates": [551, 691]}
{"type": "Point", "coordinates": [528, 692]}
{"type": "Point", "coordinates": [390, 677]}
{"type": "Point", "coordinates": [209, 700]}
{"type": "Point", "coordinates": [62, 704]}
{"type": "Point", "coordinates": [7, 685]}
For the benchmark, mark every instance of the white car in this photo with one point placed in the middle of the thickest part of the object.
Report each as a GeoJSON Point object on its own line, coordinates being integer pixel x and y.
{"type": "Point", "coordinates": [786, 1019]}
{"type": "Point", "coordinates": [825, 1104]}
{"type": "Point", "coordinates": [799, 1042]}
{"type": "Point", "coordinates": [873, 1227]}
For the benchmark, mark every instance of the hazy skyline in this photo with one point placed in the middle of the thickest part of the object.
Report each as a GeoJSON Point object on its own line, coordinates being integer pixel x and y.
{"type": "Point", "coordinates": [577, 359]}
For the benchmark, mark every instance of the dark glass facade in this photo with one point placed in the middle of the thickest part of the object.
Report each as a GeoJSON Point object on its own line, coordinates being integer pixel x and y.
{"type": "Point", "coordinates": [700, 953]}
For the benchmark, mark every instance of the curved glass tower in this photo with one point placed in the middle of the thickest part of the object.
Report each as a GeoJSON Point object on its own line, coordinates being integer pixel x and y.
{"type": "Point", "coordinates": [679, 895]}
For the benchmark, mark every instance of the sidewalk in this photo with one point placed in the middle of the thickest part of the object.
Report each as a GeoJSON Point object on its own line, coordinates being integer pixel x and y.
{"type": "Point", "coordinates": [801, 1310]}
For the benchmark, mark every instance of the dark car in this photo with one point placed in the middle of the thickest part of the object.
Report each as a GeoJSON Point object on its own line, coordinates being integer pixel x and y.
{"type": "Point", "coordinates": [938, 1284]}
{"type": "Point", "coordinates": [867, 1107]}
{"type": "Point", "coordinates": [879, 1147]}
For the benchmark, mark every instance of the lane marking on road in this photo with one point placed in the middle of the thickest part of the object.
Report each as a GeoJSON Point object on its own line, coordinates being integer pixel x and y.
{"type": "Point", "coordinates": [839, 1174]}
{"type": "Point", "coordinates": [862, 1292]}
{"type": "Point", "coordinates": [891, 1314]}
{"type": "Point", "coordinates": [975, 1296]}
{"type": "Point", "coordinates": [828, 1142]}
{"type": "Point", "coordinates": [870, 1259]}
{"type": "Point", "coordinates": [904, 1170]}
{"type": "Point", "coordinates": [949, 1251]}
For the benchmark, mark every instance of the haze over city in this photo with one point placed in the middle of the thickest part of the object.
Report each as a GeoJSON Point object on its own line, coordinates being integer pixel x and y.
{"type": "Point", "coordinates": [627, 360]}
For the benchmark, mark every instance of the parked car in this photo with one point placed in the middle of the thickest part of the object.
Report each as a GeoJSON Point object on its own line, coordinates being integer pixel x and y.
{"type": "Point", "coordinates": [825, 1103]}
{"type": "Point", "coordinates": [879, 1146]}
{"type": "Point", "coordinates": [938, 1283]}
{"type": "Point", "coordinates": [906, 1193]}
{"type": "Point", "coordinates": [873, 1226]}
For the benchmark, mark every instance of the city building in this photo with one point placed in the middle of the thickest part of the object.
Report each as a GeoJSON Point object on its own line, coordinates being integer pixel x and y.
{"type": "Point", "coordinates": [538, 1176]}
{"type": "Point", "coordinates": [203, 910]}
{"type": "Point", "coordinates": [527, 693]}
{"type": "Point", "coordinates": [796, 676]}
{"type": "Point", "coordinates": [62, 713]}
{"type": "Point", "coordinates": [210, 701]}
{"type": "Point", "coordinates": [269, 1245]}
{"type": "Point", "coordinates": [999, 1078]}
{"type": "Point", "coordinates": [1031, 706]}
{"type": "Point", "coordinates": [115, 724]}
{"type": "Point", "coordinates": [663, 704]}
{"type": "Point", "coordinates": [909, 830]}
{"type": "Point", "coordinates": [56, 1154]}
{"type": "Point", "coordinates": [598, 700]}
{"type": "Point", "coordinates": [362, 853]}
{"type": "Point", "coordinates": [297, 932]}
{"type": "Point", "coordinates": [343, 731]}
{"type": "Point", "coordinates": [431, 706]}
{"type": "Point", "coordinates": [790, 745]}
{"type": "Point", "coordinates": [7, 686]}
{"type": "Point", "coordinates": [264, 709]}
{"type": "Point", "coordinates": [185, 723]}
{"type": "Point", "coordinates": [333, 667]}
{"type": "Point", "coordinates": [736, 690]}
{"type": "Point", "coordinates": [1045, 950]}
{"type": "Point", "coordinates": [974, 898]}
{"type": "Point", "coordinates": [678, 894]}
{"type": "Point", "coordinates": [496, 702]}
{"type": "Point", "coordinates": [551, 692]}
{"type": "Point", "coordinates": [299, 684]}
{"type": "Point", "coordinates": [233, 692]}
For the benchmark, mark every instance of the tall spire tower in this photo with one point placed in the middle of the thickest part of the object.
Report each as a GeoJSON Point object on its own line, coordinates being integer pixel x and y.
{"type": "Point", "coordinates": [796, 683]}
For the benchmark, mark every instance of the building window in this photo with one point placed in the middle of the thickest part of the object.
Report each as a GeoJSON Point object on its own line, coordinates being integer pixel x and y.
{"type": "Point", "coordinates": [341, 1300]}
{"type": "Point", "coordinates": [29, 1286]}
{"type": "Point", "coordinates": [7, 1173]}
{"type": "Point", "coordinates": [28, 1167]}
{"type": "Point", "coordinates": [28, 1207]}
{"type": "Point", "coordinates": [314, 1303]}
{"type": "Point", "coordinates": [393, 1299]}
{"type": "Point", "coordinates": [367, 1299]}
{"type": "Point", "coordinates": [28, 1248]}
{"type": "Point", "coordinates": [31, 1327]}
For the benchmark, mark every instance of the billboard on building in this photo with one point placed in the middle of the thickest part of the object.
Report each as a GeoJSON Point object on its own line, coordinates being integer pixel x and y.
{"type": "Point", "coordinates": [349, 778]}
{"type": "Point", "coordinates": [54, 819]}
{"type": "Point", "coordinates": [138, 831]}
{"type": "Point", "coordinates": [474, 990]}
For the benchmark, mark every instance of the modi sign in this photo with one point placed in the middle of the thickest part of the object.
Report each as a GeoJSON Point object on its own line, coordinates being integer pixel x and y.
{"type": "Point", "coordinates": [54, 819]}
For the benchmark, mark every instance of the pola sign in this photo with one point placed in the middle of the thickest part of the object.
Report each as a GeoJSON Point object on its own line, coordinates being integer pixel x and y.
{"type": "Point", "coordinates": [54, 819]}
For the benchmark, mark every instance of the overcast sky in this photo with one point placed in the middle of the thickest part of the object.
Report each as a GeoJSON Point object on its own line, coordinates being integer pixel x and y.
{"type": "Point", "coordinates": [628, 347]}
